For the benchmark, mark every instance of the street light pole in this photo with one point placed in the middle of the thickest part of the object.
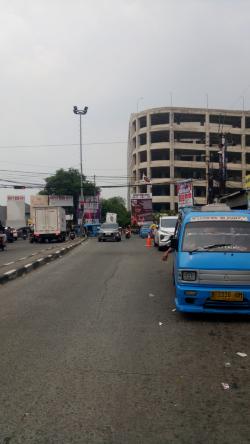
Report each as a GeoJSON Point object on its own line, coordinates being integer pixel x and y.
{"type": "Point", "coordinates": [80, 112]}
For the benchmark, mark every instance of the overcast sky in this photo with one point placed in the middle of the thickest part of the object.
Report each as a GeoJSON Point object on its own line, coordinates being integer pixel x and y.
{"type": "Point", "coordinates": [106, 54]}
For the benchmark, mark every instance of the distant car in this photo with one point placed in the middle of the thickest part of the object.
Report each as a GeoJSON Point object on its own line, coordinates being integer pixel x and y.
{"type": "Point", "coordinates": [165, 229]}
{"type": "Point", "coordinates": [145, 230]}
{"type": "Point", "coordinates": [109, 231]}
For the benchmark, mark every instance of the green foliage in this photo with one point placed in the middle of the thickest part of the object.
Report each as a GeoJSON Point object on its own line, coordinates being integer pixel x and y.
{"type": "Point", "coordinates": [116, 205]}
{"type": "Point", "coordinates": [68, 182]}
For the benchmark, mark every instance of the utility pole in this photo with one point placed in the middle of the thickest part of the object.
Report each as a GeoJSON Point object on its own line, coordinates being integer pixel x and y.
{"type": "Point", "coordinates": [223, 164]}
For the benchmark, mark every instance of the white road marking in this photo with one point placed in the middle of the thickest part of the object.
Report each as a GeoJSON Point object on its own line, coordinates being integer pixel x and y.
{"type": "Point", "coordinates": [10, 272]}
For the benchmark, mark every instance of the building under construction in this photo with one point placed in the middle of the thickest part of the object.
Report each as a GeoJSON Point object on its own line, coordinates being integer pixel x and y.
{"type": "Point", "coordinates": [169, 144]}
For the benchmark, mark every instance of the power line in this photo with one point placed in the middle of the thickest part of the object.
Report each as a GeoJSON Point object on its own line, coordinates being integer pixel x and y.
{"type": "Point", "coordinates": [61, 145]}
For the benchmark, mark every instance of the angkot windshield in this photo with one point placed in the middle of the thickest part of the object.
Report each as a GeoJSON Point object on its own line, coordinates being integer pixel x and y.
{"type": "Point", "coordinates": [213, 236]}
{"type": "Point", "coordinates": [168, 223]}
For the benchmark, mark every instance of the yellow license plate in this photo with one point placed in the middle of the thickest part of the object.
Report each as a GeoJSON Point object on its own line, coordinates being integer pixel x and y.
{"type": "Point", "coordinates": [233, 296]}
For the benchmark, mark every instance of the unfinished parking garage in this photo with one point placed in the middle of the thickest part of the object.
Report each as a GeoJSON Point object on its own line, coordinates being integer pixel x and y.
{"type": "Point", "coordinates": [168, 144]}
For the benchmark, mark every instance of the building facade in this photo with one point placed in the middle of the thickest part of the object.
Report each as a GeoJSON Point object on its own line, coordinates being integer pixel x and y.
{"type": "Point", "coordinates": [171, 143]}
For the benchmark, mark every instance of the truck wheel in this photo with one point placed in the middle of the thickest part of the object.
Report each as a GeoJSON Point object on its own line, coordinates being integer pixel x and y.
{"type": "Point", "coordinates": [99, 240]}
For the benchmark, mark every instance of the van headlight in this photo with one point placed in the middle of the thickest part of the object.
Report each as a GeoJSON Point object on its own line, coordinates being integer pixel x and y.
{"type": "Point", "coordinates": [188, 275]}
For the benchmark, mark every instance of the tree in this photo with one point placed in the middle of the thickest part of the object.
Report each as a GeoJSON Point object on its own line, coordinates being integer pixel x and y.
{"type": "Point", "coordinates": [68, 182]}
{"type": "Point", "coordinates": [115, 205]}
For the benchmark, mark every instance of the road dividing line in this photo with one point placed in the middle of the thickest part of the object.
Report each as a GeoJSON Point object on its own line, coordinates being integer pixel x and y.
{"type": "Point", "coordinates": [9, 263]}
{"type": "Point", "coordinates": [22, 258]}
{"type": "Point", "coordinates": [10, 272]}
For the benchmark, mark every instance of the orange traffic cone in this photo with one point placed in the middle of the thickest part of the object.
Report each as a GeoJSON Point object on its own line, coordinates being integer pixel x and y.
{"type": "Point", "coordinates": [149, 242]}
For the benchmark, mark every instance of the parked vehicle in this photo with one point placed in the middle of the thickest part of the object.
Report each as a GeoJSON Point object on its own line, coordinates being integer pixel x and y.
{"type": "Point", "coordinates": [49, 224]}
{"type": "Point", "coordinates": [109, 232]}
{"type": "Point", "coordinates": [212, 261]}
{"type": "Point", "coordinates": [164, 231]}
{"type": "Point", "coordinates": [23, 232]}
{"type": "Point", "coordinates": [3, 241]}
{"type": "Point", "coordinates": [9, 234]}
{"type": "Point", "coordinates": [92, 230]}
{"type": "Point", "coordinates": [145, 229]}
{"type": "Point", "coordinates": [72, 235]}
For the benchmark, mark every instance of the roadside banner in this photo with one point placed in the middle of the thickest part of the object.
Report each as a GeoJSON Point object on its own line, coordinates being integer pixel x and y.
{"type": "Point", "coordinates": [92, 210]}
{"type": "Point", "coordinates": [111, 218]}
{"type": "Point", "coordinates": [61, 201]}
{"type": "Point", "coordinates": [247, 182]}
{"type": "Point", "coordinates": [141, 208]}
{"type": "Point", "coordinates": [16, 212]}
{"type": "Point", "coordinates": [185, 194]}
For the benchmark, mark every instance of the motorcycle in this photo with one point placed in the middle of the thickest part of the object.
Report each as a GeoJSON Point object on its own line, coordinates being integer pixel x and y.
{"type": "Point", "coordinates": [127, 234]}
{"type": "Point", "coordinates": [72, 235]}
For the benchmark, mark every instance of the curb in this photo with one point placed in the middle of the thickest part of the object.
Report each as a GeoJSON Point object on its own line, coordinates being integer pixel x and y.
{"type": "Point", "coordinates": [27, 268]}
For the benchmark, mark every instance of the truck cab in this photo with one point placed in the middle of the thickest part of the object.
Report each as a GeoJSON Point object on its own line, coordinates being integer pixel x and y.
{"type": "Point", "coordinates": [212, 261]}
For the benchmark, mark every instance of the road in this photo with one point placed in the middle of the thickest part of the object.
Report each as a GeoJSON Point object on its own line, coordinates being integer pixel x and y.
{"type": "Point", "coordinates": [92, 352]}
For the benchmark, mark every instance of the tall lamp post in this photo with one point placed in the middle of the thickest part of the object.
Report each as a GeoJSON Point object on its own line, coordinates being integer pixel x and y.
{"type": "Point", "coordinates": [81, 112]}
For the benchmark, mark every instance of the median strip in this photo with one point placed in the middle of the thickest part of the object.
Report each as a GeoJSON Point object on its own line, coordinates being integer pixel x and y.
{"type": "Point", "coordinates": [26, 268]}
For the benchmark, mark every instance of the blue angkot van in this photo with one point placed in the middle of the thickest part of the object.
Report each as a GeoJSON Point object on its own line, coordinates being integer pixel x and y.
{"type": "Point", "coordinates": [211, 268]}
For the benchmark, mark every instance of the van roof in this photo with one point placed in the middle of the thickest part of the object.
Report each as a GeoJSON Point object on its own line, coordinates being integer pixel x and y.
{"type": "Point", "coordinates": [211, 214]}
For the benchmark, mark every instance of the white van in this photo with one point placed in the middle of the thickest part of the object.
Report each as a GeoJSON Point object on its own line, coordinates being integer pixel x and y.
{"type": "Point", "coordinates": [165, 230]}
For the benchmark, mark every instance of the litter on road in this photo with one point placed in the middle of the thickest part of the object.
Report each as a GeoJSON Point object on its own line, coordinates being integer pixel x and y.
{"type": "Point", "coordinates": [225, 385]}
{"type": "Point", "coordinates": [151, 295]}
{"type": "Point", "coordinates": [174, 309]}
{"type": "Point", "coordinates": [160, 323]}
{"type": "Point", "coordinates": [227, 364]}
{"type": "Point", "coordinates": [242, 355]}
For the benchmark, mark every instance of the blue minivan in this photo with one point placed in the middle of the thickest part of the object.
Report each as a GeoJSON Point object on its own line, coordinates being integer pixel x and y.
{"type": "Point", "coordinates": [211, 269]}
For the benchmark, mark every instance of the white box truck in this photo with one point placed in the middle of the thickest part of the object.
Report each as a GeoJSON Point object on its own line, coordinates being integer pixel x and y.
{"type": "Point", "coordinates": [49, 224]}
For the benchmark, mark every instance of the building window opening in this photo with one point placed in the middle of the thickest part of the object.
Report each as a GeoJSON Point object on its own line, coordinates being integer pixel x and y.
{"type": "Point", "coordinates": [160, 154]}
{"type": "Point", "coordinates": [247, 122]}
{"type": "Point", "coordinates": [189, 118]}
{"type": "Point", "coordinates": [199, 191]}
{"type": "Point", "coordinates": [143, 156]}
{"type": "Point", "coordinates": [143, 139]}
{"type": "Point", "coordinates": [219, 119]}
{"type": "Point", "coordinates": [160, 172]}
{"type": "Point", "coordinates": [159, 119]}
{"type": "Point", "coordinates": [247, 157]}
{"type": "Point", "coordinates": [134, 126]}
{"type": "Point", "coordinates": [160, 190]}
{"type": "Point", "coordinates": [190, 155]}
{"type": "Point", "coordinates": [233, 157]}
{"type": "Point", "coordinates": [142, 173]}
{"type": "Point", "coordinates": [189, 137]}
{"type": "Point", "coordinates": [143, 188]}
{"type": "Point", "coordinates": [248, 140]}
{"type": "Point", "coordinates": [234, 175]}
{"type": "Point", "coordinates": [190, 173]}
{"type": "Point", "coordinates": [161, 207]}
{"type": "Point", "coordinates": [159, 136]}
{"type": "Point", "coordinates": [143, 121]}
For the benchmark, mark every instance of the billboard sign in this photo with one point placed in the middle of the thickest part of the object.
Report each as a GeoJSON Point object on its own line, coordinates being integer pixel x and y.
{"type": "Point", "coordinates": [39, 201]}
{"type": "Point", "coordinates": [92, 210]}
{"type": "Point", "coordinates": [61, 201]}
{"type": "Point", "coordinates": [16, 211]}
{"type": "Point", "coordinates": [141, 208]}
{"type": "Point", "coordinates": [111, 218]}
{"type": "Point", "coordinates": [185, 194]}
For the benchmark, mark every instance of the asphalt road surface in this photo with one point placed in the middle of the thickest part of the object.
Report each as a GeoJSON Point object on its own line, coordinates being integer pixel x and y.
{"type": "Point", "coordinates": [92, 352]}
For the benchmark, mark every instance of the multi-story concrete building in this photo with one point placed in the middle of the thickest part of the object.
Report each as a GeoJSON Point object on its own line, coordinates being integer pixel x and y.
{"type": "Point", "coordinates": [172, 143]}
